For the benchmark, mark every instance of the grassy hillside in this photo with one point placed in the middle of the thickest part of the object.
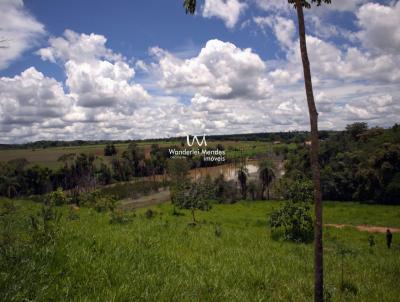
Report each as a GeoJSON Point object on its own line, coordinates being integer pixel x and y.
{"type": "Point", "coordinates": [228, 256]}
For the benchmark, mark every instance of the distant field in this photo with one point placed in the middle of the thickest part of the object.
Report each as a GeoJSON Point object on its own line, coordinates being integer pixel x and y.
{"type": "Point", "coordinates": [48, 157]}
{"type": "Point", "coordinates": [165, 259]}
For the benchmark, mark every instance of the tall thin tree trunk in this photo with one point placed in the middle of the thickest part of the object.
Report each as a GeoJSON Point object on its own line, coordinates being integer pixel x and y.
{"type": "Point", "coordinates": [318, 247]}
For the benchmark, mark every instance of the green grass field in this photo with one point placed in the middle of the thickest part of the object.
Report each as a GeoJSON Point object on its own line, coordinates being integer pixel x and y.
{"type": "Point", "coordinates": [165, 259]}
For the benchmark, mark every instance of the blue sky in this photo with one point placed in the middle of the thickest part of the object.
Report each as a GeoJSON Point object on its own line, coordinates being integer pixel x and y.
{"type": "Point", "coordinates": [140, 69]}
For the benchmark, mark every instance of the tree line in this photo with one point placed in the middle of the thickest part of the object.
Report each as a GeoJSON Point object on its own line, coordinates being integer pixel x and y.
{"type": "Point", "coordinates": [360, 164]}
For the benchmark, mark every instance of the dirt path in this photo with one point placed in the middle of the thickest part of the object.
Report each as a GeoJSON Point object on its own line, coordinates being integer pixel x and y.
{"type": "Point", "coordinates": [365, 228]}
{"type": "Point", "coordinates": [144, 201]}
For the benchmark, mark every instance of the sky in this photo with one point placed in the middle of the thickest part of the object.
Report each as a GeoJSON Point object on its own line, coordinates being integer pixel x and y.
{"type": "Point", "coordinates": [122, 69]}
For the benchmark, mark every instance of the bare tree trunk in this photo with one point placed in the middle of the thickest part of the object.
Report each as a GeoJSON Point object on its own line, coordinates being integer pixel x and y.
{"type": "Point", "coordinates": [318, 247]}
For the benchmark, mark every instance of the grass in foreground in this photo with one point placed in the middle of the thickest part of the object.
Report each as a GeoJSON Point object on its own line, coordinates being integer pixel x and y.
{"type": "Point", "coordinates": [228, 256]}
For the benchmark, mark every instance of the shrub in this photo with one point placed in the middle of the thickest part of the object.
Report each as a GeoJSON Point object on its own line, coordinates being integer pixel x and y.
{"type": "Point", "coordinates": [73, 213]}
{"type": "Point", "coordinates": [121, 217]}
{"type": "Point", "coordinates": [294, 221]}
{"type": "Point", "coordinates": [45, 224]}
{"type": "Point", "coordinates": [299, 191]}
{"type": "Point", "coordinates": [348, 286]}
{"type": "Point", "coordinates": [371, 240]}
{"type": "Point", "coordinates": [104, 204]}
{"type": "Point", "coordinates": [149, 214]}
{"type": "Point", "coordinates": [98, 201]}
{"type": "Point", "coordinates": [218, 231]}
{"type": "Point", "coordinates": [57, 197]}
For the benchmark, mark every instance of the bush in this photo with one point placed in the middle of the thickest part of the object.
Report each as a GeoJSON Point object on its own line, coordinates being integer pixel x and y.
{"type": "Point", "coordinates": [104, 204]}
{"type": "Point", "coordinates": [73, 213]}
{"type": "Point", "coordinates": [149, 214]}
{"type": "Point", "coordinates": [119, 216]}
{"type": "Point", "coordinates": [294, 221]}
{"type": "Point", "coordinates": [45, 224]}
{"type": "Point", "coordinates": [98, 201]}
{"type": "Point", "coordinates": [57, 197]}
{"type": "Point", "coordinates": [350, 287]}
{"type": "Point", "coordinates": [299, 191]}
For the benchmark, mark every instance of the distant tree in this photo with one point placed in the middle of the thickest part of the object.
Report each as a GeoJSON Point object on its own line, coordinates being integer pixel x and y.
{"type": "Point", "coordinates": [196, 199]}
{"type": "Point", "coordinates": [356, 129]}
{"type": "Point", "coordinates": [242, 178]}
{"type": "Point", "coordinates": [220, 147]}
{"type": "Point", "coordinates": [134, 157]}
{"type": "Point", "coordinates": [178, 171]}
{"type": "Point", "coordinates": [8, 186]}
{"type": "Point", "coordinates": [110, 150]}
{"type": "Point", "coordinates": [105, 175]}
{"type": "Point", "coordinates": [252, 189]}
{"type": "Point", "coordinates": [266, 174]}
{"type": "Point", "coordinates": [38, 180]}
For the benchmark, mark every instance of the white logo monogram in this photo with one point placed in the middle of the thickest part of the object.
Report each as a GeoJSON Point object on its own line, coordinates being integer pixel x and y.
{"type": "Point", "coordinates": [203, 141]}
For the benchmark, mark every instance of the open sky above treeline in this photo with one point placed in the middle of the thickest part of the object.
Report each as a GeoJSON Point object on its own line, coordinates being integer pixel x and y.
{"type": "Point", "coordinates": [144, 69]}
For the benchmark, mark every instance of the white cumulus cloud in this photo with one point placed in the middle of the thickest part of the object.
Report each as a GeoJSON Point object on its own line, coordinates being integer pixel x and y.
{"type": "Point", "coordinates": [227, 10]}
{"type": "Point", "coordinates": [19, 31]}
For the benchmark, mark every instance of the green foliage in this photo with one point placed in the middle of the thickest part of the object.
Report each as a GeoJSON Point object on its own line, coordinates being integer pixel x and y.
{"type": "Point", "coordinates": [132, 189]}
{"type": "Point", "coordinates": [266, 174]}
{"type": "Point", "coordinates": [45, 224]}
{"type": "Point", "coordinates": [295, 221]}
{"type": "Point", "coordinates": [119, 216]}
{"type": "Point", "coordinates": [349, 287]}
{"type": "Point", "coordinates": [58, 197]}
{"type": "Point", "coordinates": [360, 163]}
{"type": "Point", "coordinates": [299, 191]}
{"type": "Point", "coordinates": [252, 189]}
{"type": "Point", "coordinates": [149, 213]}
{"type": "Point", "coordinates": [307, 3]}
{"type": "Point", "coordinates": [190, 6]}
{"type": "Point", "coordinates": [225, 191]}
{"type": "Point", "coordinates": [73, 213]}
{"type": "Point", "coordinates": [371, 240]}
{"type": "Point", "coordinates": [295, 218]}
{"type": "Point", "coordinates": [110, 150]}
{"type": "Point", "coordinates": [98, 201]}
{"type": "Point", "coordinates": [242, 178]}
{"type": "Point", "coordinates": [178, 170]}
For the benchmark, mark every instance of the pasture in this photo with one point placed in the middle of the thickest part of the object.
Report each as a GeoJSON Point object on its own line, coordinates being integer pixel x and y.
{"type": "Point", "coordinates": [228, 256]}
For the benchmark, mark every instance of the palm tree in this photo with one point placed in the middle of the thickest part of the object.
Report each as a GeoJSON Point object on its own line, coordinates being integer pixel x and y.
{"type": "Point", "coordinates": [190, 7]}
{"type": "Point", "coordinates": [266, 174]}
{"type": "Point", "coordinates": [242, 178]}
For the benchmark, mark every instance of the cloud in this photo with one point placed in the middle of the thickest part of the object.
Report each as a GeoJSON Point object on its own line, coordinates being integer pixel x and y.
{"type": "Point", "coordinates": [227, 10]}
{"type": "Point", "coordinates": [283, 28]}
{"type": "Point", "coordinates": [273, 6]}
{"type": "Point", "coordinates": [345, 5]}
{"type": "Point", "coordinates": [19, 30]}
{"type": "Point", "coordinates": [220, 70]}
{"type": "Point", "coordinates": [96, 76]}
{"type": "Point", "coordinates": [31, 98]}
{"type": "Point", "coordinates": [379, 27]}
